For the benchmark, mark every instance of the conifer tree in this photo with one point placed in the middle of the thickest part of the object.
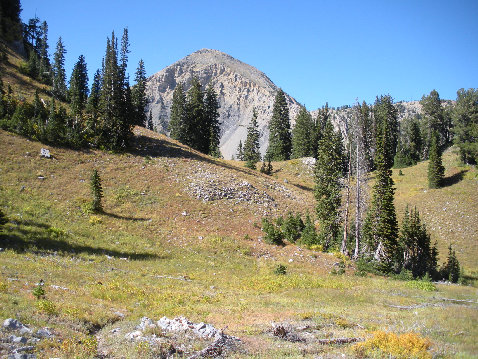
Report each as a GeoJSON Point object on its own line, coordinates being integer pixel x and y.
{"type": "Point", "coordinates": [150, 125]}
{"type": "Point", "coordinates": [465, 124]}
{"type": "Point", "coordinates": [414, 241]}
{"type": "Point", "coordinates": [451, 269]}
{"type": "Point", "coordinates": [44, 65]}
{"type": "Point", "coordinates": [197, 131]}
{"type": "Point", "coordinates": [123, 59]}
{"type": "Point", "coordinates": [178, 114]}
{"type": "Point", "coordinates": [211, 115]}
{"type": "Point", "coordinates": [32, 65]}
{"type": "Point", "coordinates": [386, 122]}
{"type": "Point", "coordinates": [240, 151]}
{"type": "Point", "coordinates": [58, 71]}
{"type": "Point", "coordinates": [308, 236]}
{"type": "Point", "coordinates": [435, 119]}
{"type": "Point", "coordinates": [380, 230]}
{"type": "Point", "coordinates": [115, 125]}
{"type": "Point", "coordinates": [280, 142]}
{"type": "Point", "coordinates": [328, 172]}
{"type": "Point", "coordinates": [436, 171]}
{"type": "Point", "coordinates": [251, 146]}
{"type": "Point", "coordinates": [303, 135]}
{"type": "Point", "coordinates": [55, 128]}
{"type": "Point", "coordinates": [292, 227]}
{"type": "Point", "coordinates": [78, 92]}
{"type": "Point", "coordinates": [138, 95]}
{"type": "Point", "coordinates": [96, 191]}
{"type": "Point", "coordinates": [323, 116]}
{"type": "Point", "coordinates": [94, 98]}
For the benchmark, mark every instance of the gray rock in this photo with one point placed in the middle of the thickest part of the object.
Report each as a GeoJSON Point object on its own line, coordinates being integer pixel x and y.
{"type": "Point", "coordinates": [137, 334]}
{"type": "Point", "coordinates": [145, 324]}
{"type": "Point", "coordinates": [45, 153]}
{"type": "Point", "coordinates": [25, 330]}
{"type": "Point", "coordinates": [43, 333]}
{"type": "Point", "coordinates": [12, 324]}
{"type": "Point", "coordinates": [15, 339]}
{"type": "Point", "coordinates": [22, 356]}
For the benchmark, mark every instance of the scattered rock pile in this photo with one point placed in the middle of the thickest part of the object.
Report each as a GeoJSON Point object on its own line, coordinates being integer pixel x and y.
{"type": "Point", "coordinates": [210, 186]}
{"type": "Point", "coordinates": [17, 341]}
{"type": "Point", "coordinates": [181, 338]}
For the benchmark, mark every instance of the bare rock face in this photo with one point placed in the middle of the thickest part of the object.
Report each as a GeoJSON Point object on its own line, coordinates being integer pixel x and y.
{"type": "Point", "coordinates": [240, 88]}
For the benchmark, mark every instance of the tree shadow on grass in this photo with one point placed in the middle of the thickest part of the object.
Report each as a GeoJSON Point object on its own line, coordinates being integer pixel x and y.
{"type": "Point", "coordinates": [30, 236]}
{"type": "Point", "coordinates": [127, 218]}
{"type": "Point", "coordinates": [156, 147]}
{"type": "Point", "coordinates": [302, 187]}
{"type": "Point", "coordinates": [454, 179]}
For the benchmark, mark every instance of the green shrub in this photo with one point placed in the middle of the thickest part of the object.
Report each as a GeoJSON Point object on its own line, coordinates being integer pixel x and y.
{"type": "Point", "coordinates": [273, 234]}
{"type": "Point", "coordinates": [280, 269]}
{"type": "Point", "coordinates": [39, 291]}
{"type": "Point", "coordinates": [292, 227]}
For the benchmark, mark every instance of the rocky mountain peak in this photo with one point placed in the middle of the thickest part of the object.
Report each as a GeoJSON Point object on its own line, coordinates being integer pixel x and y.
{"type": "Point", "coordinates": [240, 88]}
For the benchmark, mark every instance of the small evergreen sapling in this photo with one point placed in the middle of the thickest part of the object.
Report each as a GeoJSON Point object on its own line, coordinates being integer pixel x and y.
{"type": "Point", "coordinates": [308, 235]}
{"type": "Point", "coordinates": [292, 227]}
{"type": "Point", "coordinates": [97, 191]}
{"type": "Point", "coordinates": [451, 270]}
{"type": "Point", "coordinates": [273, 234]}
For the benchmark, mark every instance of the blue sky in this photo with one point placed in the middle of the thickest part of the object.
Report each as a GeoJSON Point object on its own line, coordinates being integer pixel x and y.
{"type": "Point", "coordinates": [317, 51]}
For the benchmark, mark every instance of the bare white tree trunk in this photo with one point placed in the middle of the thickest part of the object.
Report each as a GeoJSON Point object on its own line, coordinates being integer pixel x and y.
{"type": "Point", "coordinates": [358, 214]}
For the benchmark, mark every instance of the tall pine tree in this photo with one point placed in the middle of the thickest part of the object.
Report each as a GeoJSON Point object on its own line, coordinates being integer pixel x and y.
{"type": "Point", "coordinates": [78, 92]}
{"type": "Point", "coordinates": [380, 230]}
{"type": "Point", "coordinates": [197, 130]}
{"type": "Point", "coordinates": [58, 72]}
{"type": "Point", "coordinates": [178, 114]}
{"type": "Point", "coordinates": [323, 116]}
{"type": "Point", "coordinates": [94, 98]}
{"type": "Point", "coordinates": [138, 95]}
{"type": "Point", "coordinates": [211, 118]}
{"type": "Point", "coordinates": [251, 146]}
{"type": "Point", "coordinates": [280, 140]}
{"type": "Point", "coordinates": [328, 172]}
{"type": "Point", "coordinates": [435, 119]}
{"type": "Point", "coordinates": [386, 127]}
{"type": "Point", "coordinates": [436, 171]}
{"type": "Point", "coordinates": [115, 125]}
{"type": "Point", "coordinates": [415, 244]}
{"type": "Point", "coordinates": [44, 66]}
{"type": "Point", "coordinates": [465, 122]}
{"type": "Point", "coordinates": [303, 135]}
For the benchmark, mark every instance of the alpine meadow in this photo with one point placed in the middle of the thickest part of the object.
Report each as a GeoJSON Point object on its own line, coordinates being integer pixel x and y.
{"type": "Point", "coordinates": [203, 212]}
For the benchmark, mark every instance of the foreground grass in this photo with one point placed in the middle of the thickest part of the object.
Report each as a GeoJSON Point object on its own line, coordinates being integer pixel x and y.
{"type": "Point", "coordinates": [143, 257]}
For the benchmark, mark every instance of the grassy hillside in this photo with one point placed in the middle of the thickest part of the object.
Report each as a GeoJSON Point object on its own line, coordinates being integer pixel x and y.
{"type": "Point", "coordinates": [22, 85]}
{"type": "Point", "coordinates": [161, 249]}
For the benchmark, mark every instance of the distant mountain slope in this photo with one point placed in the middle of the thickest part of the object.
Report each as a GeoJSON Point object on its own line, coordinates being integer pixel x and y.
{"type": "Point", "coordinates": [240, 88]}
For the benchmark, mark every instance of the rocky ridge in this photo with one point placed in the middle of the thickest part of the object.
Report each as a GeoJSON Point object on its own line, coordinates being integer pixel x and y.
{"type": "Point", "coordinates": [240, 88]}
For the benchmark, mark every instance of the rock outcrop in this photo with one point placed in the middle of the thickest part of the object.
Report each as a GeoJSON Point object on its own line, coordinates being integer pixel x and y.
{"type": "Point", "coordinates": [240, 88]}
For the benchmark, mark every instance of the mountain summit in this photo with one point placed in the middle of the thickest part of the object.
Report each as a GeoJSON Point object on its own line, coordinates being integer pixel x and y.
{"type": "Point", "coordinates": [240, 88]}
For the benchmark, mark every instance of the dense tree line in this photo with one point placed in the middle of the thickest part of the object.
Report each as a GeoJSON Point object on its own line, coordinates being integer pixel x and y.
{"type": "Point", "coordinates": [77, 116]}
{"type": "Point", "coordinates": [194, 118]}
